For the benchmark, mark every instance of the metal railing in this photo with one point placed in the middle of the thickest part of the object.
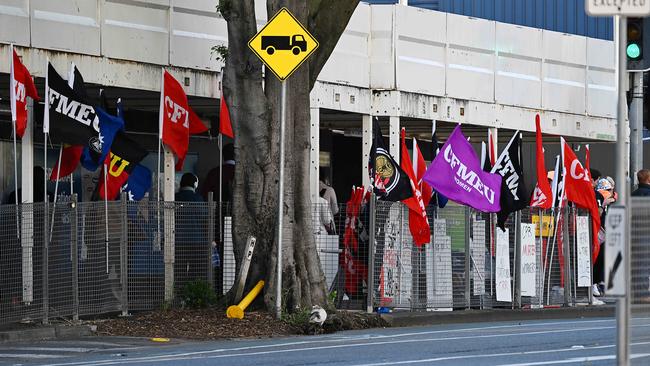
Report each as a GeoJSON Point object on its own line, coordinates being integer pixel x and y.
{"type": "Point", "coordinates": [74, 259]}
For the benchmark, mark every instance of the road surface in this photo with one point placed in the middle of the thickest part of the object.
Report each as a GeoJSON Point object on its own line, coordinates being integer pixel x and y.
{"type": "Point", "coordinates": [549, 342]}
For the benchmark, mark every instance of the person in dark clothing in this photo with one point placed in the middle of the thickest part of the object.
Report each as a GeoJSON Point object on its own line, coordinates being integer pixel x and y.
{"type": "Point", "coordinates": [192, 244]}
{"type": "Point", "coordinates": [187, 191]}
{"type": "Point", "coordinates": [643, 189]}
{"type": "Point", "coordinates": [39, 189]}
{"type": "Point", "coordinates": [212, 179]}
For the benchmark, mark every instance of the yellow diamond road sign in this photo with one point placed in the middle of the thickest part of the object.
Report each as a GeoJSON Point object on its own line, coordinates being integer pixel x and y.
{"type": "Point", "coordinates": [283, 44]}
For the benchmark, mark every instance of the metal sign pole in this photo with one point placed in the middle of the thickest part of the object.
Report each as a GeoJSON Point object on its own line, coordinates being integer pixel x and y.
{"type": "Point", "coordinates": [622, 353]}
{"type": "Point", "coordinates": [283, 112]}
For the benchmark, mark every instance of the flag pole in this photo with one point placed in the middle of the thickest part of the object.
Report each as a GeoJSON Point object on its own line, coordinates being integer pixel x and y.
{"type": "Point", "coordinates": [221, 186]}
{"type": "Point", "coordinates": [106, 213]}
{"type": "Point", "coordinates": [160, 136]}
{"type": "Point", "coordinates": [56, 189]}
{"type": "Point", "coordinates": [14, 112]}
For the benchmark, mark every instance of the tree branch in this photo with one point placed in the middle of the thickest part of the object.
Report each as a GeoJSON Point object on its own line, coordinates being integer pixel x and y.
{"type": "Point", "coordinates": [327, 21]}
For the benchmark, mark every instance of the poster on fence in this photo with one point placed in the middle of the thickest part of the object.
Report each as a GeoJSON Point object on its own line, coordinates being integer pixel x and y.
{"type": "Point", "coordinates": [477, 245]}
{"type": "Point", "coordinates": [528, 263]}
{"type": "Point", "coordinates": [228, 261]}
{"type": "Point", "coordinates": [394, 284]}
{"type": "Point", "coordinates": [439, 282]}
{"type": "Point", "coordinates": [582, 242]}
{"type": "Point", "coordinates": [504, 289]}
{"type": "Point", "coordinates": [328, 253]}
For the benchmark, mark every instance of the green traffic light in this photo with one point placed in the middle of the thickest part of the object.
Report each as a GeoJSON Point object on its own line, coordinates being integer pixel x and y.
{"type": "Point", "coordinates": [633, 51]}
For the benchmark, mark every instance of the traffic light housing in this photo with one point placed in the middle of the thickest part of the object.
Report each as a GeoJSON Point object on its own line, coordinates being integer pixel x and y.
{"type": "Point", "coordinates": [637, 43]}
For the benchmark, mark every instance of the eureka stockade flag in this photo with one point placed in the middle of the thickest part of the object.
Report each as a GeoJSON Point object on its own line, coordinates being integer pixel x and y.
{"type": "Point", "coordinates": [456, 173]}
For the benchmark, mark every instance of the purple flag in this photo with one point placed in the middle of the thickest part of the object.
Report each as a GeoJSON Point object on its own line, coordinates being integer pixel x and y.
{"type": "Point", "coordinates": [456, 173]}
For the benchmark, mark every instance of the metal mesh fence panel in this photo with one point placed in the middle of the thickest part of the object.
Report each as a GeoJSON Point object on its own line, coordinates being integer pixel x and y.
{"type": "Point", "coordinates": [640, 268]}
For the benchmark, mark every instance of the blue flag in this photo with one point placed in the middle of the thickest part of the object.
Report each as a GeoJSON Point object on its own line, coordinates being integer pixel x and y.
{"type": "Point", "coordinates": [138, 184]}
{"type": "Point", "coordinates": [98, 147]}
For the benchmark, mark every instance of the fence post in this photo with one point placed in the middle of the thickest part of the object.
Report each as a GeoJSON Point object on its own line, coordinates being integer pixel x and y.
{"type": "Point", "coordinates": [518, 260]}
{"type": "Point", "coordinates": [371, 253]}
{"type": "Point", "coordinates": [124, 254]}
{"type": "Point", "coordinates": [45, 275]}
{"type": "Point", "coordinates": [211, 241]}
{"type": "Point", "coordinates": [75, 258]}
{"type": "Point", "coordinates": [468, 260]}
{"type": "Point", "coordinates": [567, 255]}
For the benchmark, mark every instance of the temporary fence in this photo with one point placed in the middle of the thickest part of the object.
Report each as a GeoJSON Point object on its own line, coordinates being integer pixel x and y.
{"type": "Point", "coordinates": [469, 263]}
{"type": "Point", "coordinates": [640, 271]}
{"type": "Point", "coordinates": [74, 259]}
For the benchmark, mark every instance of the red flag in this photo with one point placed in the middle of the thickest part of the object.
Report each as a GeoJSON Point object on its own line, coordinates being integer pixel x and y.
{"type": "Point", "coordinates": [542, 195]}
{"type": "Point", "coordinates": [21, 87]}
{"type": "Point", "coordinates": [69, 161]}
{"type": "Point", "coordinates": [579, 190]}
{"type": "Point", "coordinates": [355, 269]}
{"type": "Point", "coordinates": [418, 222]}
{"type": "Point", "coordinates": [420, 168]}
{"type": "Point", "coordinates": [225, 126]}
{"type": "Point", "coordinates": [177, 120]}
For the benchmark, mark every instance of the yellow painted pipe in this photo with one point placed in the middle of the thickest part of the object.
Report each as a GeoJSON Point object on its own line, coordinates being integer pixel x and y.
{"type": "Point", "coordinates": [237, 311]}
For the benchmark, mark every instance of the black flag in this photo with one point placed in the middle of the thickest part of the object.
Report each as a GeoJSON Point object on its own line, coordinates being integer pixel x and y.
{"type": "Point", "coordinates": [388, 179]}
{"type": "Point", "coordinates": [72, 119]}
{"type": "Point", "coordinates": [514, 196]}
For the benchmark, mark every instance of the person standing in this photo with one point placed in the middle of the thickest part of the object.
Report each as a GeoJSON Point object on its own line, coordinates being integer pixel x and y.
{"type": "Point", "coordinates": [327, 192]}
{"type": "Point", "coordinates": [191, 227]}
{"type": "Point", "coordinates": [643, 189]}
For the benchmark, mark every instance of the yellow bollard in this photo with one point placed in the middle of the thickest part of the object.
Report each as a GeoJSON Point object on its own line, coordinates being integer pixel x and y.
{"type": "Point", "coordinates": [237, 311]}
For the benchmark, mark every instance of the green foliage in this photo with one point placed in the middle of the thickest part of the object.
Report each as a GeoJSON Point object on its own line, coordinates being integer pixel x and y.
{"type": "Point", "coordinates": [221, 51]}
{"type": "Point", "coordinates": [299, 318]}
{"type": "Point", "coordinates": [198, 294]}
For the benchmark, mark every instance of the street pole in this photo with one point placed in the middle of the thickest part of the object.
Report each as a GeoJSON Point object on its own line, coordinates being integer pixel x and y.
{"type": "Point", "coordinates": [622, 350]}
{"type": "Point", "coordinates": [636, 126]}
{"type": "Point", "coordinates": [283, 113]}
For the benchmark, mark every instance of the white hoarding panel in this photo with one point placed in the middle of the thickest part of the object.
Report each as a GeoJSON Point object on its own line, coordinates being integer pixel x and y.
{"type": "Point", "coordinates": [382, 56]}
{"type": "Point", "coordinates": [348, 64]}
{"type": "Point", "coordinates": [195, 32]}
{"type": "Point", "coordinates": [439, 279]}
{"type": "Point", "coordinates": [519, 65]}
{"type": "Point", "coordinates": [66, 25]}
{"type": "Point", "coordinates": [528, 260]}
{"type": "Point", "coordinates": [470, 58]}
{"type": "Point", "coordinates": [136, 31]}
{"type": "Point", "coordinates": [421, 38]}
{"type": "Point", "coordinates": [564, 72]}
{"type": "Point", "coordinates": [601, 78]}
{"type": "Point", "coordinates": [14, 22]}
{"type": "Point", "coordinates": [503, 277]}
{"type": "Point", "coordinates": [583, 252]}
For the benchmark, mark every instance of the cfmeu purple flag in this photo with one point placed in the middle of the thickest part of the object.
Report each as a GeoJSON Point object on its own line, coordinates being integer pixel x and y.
{"type": "Point", "coordinates": [456, 173]}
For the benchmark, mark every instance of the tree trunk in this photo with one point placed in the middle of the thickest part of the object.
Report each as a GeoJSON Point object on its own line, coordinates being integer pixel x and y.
{"type": "Point", "coordinates": [255, 112]}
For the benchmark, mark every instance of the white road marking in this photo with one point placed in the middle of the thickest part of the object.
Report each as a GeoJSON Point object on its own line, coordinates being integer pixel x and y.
{"type": "Point", "coordinates": [205, 354]}
{"type": "Point", "coordinates": [577, 360]}
{"type": "Point", "coordinates": [29, 355]}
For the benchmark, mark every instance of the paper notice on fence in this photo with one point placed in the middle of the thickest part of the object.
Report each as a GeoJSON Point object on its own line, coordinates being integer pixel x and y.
{"type": "Point", "coordinates": [478, 256]}
{"type": "Point", "coordinates": [439, 283]}
{"type": "Point", "coordinates": [504, 289]}
{"type": "Point", "coordinates": [528, 260]}
{"type": "Point", "coordinates": [582, 239]}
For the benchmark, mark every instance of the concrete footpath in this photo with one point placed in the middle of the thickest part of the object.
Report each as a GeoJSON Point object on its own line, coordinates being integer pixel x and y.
{"type": "Point", "coordinates": [409, 319]}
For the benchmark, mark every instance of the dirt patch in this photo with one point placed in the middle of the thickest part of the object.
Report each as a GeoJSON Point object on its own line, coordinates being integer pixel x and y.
{"type": "Point", "coordinates": [213, 324]}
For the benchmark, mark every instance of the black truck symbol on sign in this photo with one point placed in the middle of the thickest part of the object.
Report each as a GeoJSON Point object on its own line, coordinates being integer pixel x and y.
{"type": "Point", "coordinates": [295, 44]}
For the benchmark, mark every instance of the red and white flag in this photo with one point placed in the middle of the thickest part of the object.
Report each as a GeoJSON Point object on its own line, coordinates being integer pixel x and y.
{"type": "Point", "coordinates": [21, 87]}
{"type": "Point", "coordinates": [579, 190]}
{"type": "Point", "coordinates": [225, 125]}
{"type": "Point", "coordinates": [418, 222]}
{"type": "Point", "coordinates": [542, 195]}
{"type": "Point", "coordinates": [177, 120]}
{"type": "Point", "coordinates": [420, 167]}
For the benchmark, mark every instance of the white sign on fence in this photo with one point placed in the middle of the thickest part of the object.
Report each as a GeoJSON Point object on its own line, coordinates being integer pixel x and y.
{"type": "Point", "coordinates": [617, 7]}
{"type": "Point", "coordinates": [478, 256]}
{"type": "Point", "coordinates": [582, 242]}
{"type": "Point", "coordinates": [528, 260]}
{"type": "Point", "coordinates": [615, 251]}
{"type": "Point", "coordinates": [504, 289]}
{"type": "Point", "coordinates": [439, 282]}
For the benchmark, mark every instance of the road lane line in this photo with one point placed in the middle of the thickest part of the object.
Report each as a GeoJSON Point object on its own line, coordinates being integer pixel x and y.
{"type": "Point", "coordinates": [179, 357]}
